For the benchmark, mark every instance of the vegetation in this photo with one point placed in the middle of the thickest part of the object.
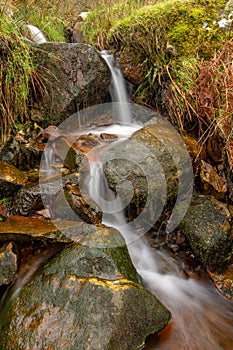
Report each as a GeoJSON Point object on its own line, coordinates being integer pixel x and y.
{"type": "Point", "coordinates": [183, 55]}
{"type": "Point", "coordinates": [19, 80]}
{"type": "Point", "coordinates": [17, 77]}
{"type": "Point", "coordinates": [175, 43]}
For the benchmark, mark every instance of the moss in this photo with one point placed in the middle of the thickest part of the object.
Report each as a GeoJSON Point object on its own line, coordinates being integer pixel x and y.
{"type": "Point", "coordinates": [160, 38]}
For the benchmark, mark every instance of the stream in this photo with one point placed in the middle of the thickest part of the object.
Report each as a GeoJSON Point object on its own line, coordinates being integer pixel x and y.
{"type": "Point", "coordinates": [201, 318]}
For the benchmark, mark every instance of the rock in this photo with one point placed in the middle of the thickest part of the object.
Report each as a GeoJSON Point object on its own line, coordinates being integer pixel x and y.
{"type": "Point", "coordinates": [28, 200]}
{"type": "Point", "coordinates": [20, 228]}
{"type": "Point", "coordinates": [212, 182]}
{"type": "Point", "coordinates": [74, 76]}
{"type": "Point", "coordinates": [108, 137]}
{"type": "Point", "coordinates": [82, 300]}
{"type": "Point", "coordinates": [23, 150]}
{"type": "Point", "coordinates": [224, 281]}
{"type": "Point", "coordinates": [8, 264]}
{"type": "Point", "coordinates": [145, 169]}
{"type": "Point", "coordinates": [209, 233]}
{"type": "Point", "coordinates": [3, 212]}
{"type": "Point", "coordinates": [51, 132]}
{"type": "Point", "coordinates": [11, 179]}
{"type": "Point", "coordinates": [82, 205]}
{"type": "Point", "coordinates": [135, 72]}
{"type": "Point", "coordinates": [63, 150]}
{"type": "Point", "coordinates": [85, 143]}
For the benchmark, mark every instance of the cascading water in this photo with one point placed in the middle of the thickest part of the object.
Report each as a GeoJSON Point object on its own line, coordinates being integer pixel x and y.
{"type": "Point", "coordinates": [118, 90]}
{"type": "Point", "coordinates": [36, 34]}
{"type": "Point", "coordinates": [201, 318]}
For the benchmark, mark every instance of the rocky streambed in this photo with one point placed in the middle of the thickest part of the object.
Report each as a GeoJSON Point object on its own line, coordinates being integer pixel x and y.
{"type": "Point", "coordinates": [69, 281]}
{"type": "Point", "coordinates": [89, 295]}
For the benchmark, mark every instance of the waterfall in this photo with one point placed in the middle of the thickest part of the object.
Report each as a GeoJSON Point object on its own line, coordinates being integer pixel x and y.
{"type": "Point", "coordinates": [47, 162]}
{"type": "Point", "coordinates": [36, 34]}
{"type": "Point", "coordinates": [118, 90]}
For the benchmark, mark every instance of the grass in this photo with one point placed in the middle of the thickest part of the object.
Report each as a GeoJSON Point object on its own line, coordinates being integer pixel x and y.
{"type": "Point", "coordinates": [169, 42]}
{"type": "Point", "coordinates": [19, 79]}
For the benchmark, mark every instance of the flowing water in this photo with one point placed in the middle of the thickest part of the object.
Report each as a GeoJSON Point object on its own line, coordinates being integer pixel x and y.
{"type": "Point", "coordinates": [118, 90]}
{"type": "Point", "coordinates": [201, 318]}
{"type": "Point", "coordinates": [36, 34]}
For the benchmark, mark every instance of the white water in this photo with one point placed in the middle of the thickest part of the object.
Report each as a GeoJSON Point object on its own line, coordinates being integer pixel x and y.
{"type": "Point", "coordinates": [36, 34]}
{"type": "Point", "coordinates": [47, 162]}
{"type": "Point", "coordinates": [118, 91]}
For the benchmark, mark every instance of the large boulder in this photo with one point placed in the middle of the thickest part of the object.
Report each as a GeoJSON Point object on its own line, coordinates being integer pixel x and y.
{"type": "Point", "coordinates": [74, 76]}
{"type": "Point", "coordinates": [149, 171]}
{"type": "Point", "coordinates": [86, 297]}
{"type": "Point", "coordinates": [207, 226]}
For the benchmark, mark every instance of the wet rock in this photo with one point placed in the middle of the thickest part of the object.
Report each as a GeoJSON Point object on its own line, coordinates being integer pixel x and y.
{"type": "Point", "coordinates": [64, 151]}
{"type": "Point", "coordinates": [23, 150]}
{"type": "Point", "coordinates": [29, 199]}
{"type": "Point", "coordinates": [145, 170]}
{"type": "Point", "coordinates": [213, 183]}
{"type": "Point", "coordinates": [74, 76]}
{"type": "Point", "coordinates": [108, 137]}
{"type": "Point", "coordinates": [8, 264]}
{"type": "Point", "coordinates": [194, 150]}
{"type": "Point", "coordinates": [208, 230]}
{"type": "Point", "coordinates": [73, 204]}
{"type": "Point", "coordinates": [3, 212]}
{"type": "Point", "coordinates": [85, 143]}
{"type": "Point", "coordinates": [224, 281]}
{"type": "Point", "coordinates": [133, 71]}
{"type": "Point", "coordinates": [21, 228]}
{"type": "Point", "coordinates": [81, 299]}
{"type": "Point", "coordinates": [11, 179]}
{"type": "Point", "coordinates": [51, 133]}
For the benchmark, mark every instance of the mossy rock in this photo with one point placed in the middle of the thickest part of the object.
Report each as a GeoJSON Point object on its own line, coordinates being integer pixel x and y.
{"type": "Point", "coordinates": [8, 264]}
{"type": "Point", "coordinates": [11, 180]}
{"type": "Point", "coordinates": [75, 75]}
{"type": "Point", "coordinates": [224, 281]}
{"type": "Point", "coordinates": [73, 204]}
{"type": "Point", "coordinates": [145, 171]}
{"type": "Point", "coordinates": [155, 28]}
{"type": "Point", "coordinates": [209, 233]}
{"type": "Point", "coordinates": [80, 300]}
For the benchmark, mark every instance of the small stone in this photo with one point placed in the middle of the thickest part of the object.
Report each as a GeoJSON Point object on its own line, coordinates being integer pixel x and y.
{"type": "Point", "coordinates": [108, 137]}
{"type": "Point", "coordinates": [8, 264]}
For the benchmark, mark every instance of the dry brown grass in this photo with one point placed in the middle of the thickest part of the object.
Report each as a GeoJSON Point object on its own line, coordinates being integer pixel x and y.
{"type": "Point", "coordinates": [213, 96]}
